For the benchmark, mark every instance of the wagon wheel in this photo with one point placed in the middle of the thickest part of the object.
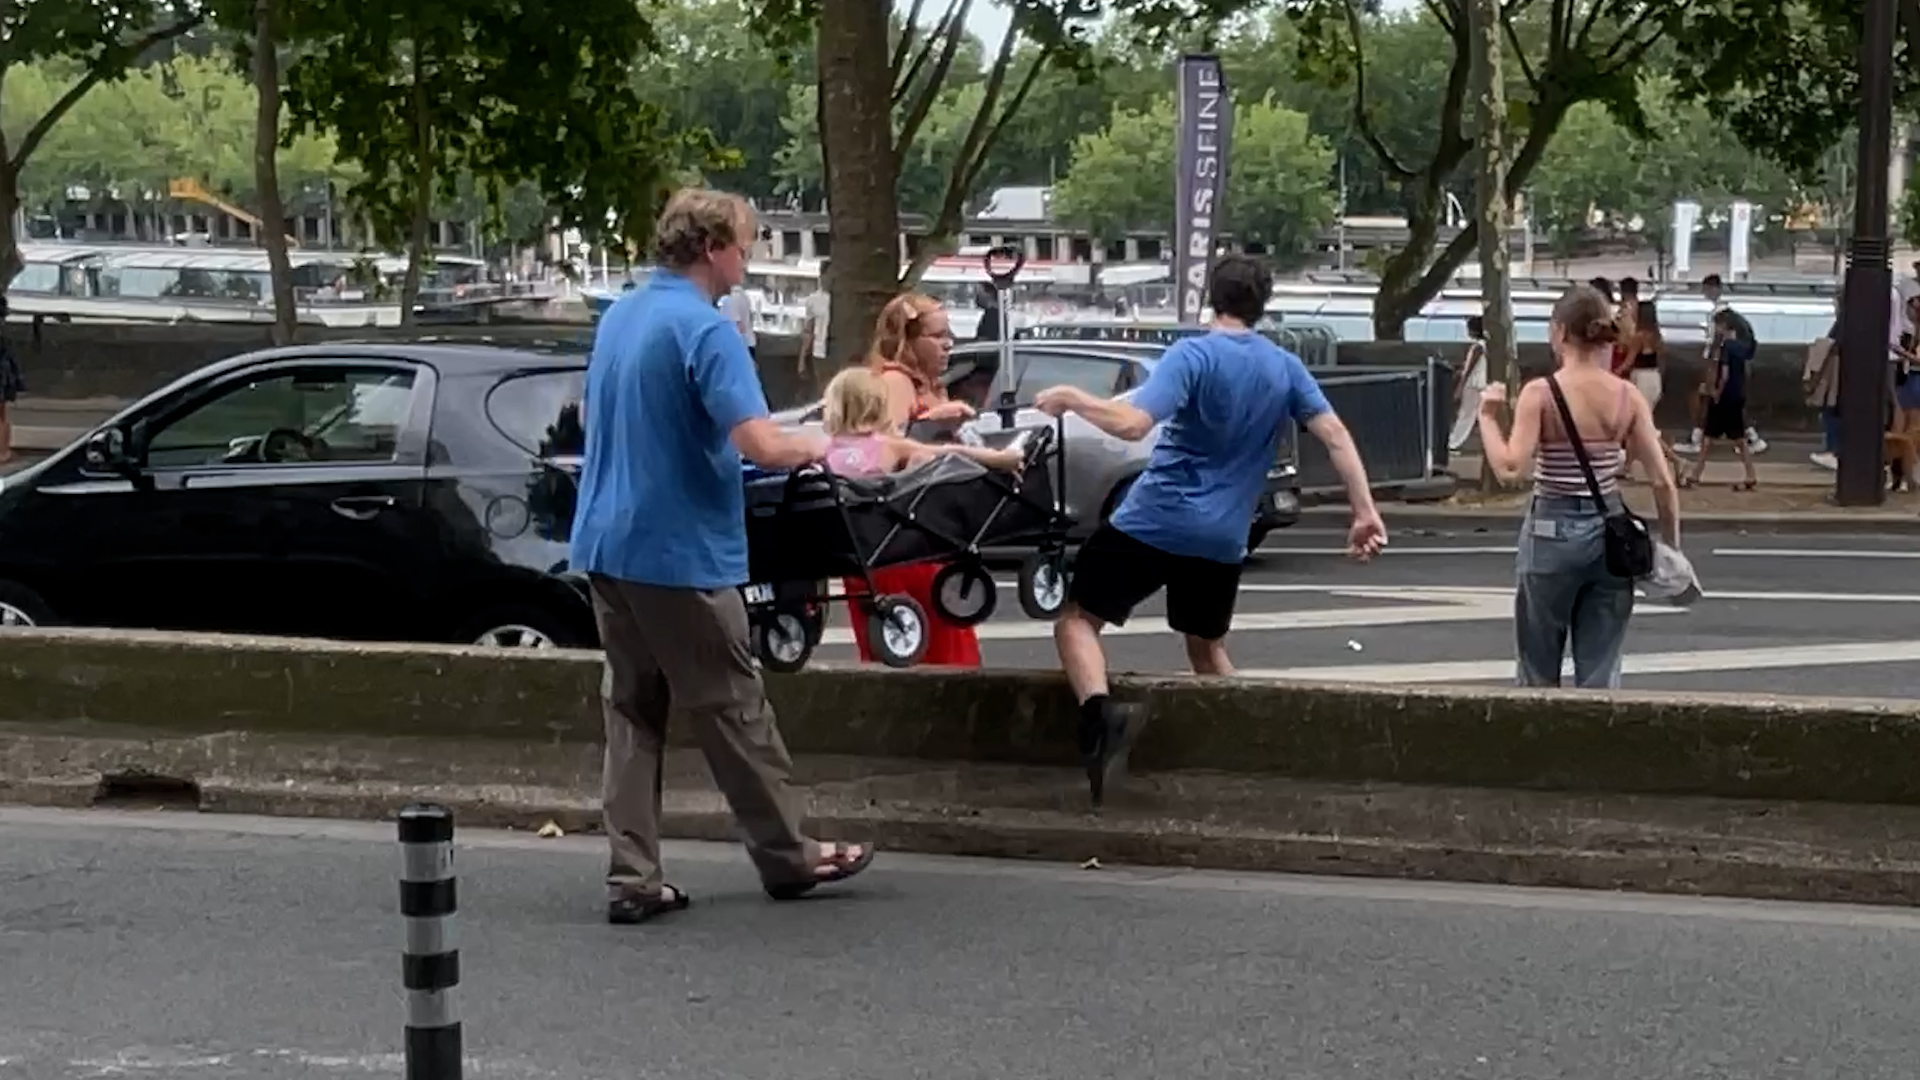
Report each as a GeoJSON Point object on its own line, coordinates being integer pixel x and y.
{"type": "Point", "coordinates": [964, 594]}
{"type": "Point", "coordinates": [897, 630]}
{"type": "Point", "coordinates": [783, 641]}
{"type": "Point", "coordinates": [1043, 584]}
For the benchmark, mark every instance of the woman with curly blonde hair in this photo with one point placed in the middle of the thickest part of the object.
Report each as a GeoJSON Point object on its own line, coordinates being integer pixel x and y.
{"type": "Point", "coordinates": [911, 343]}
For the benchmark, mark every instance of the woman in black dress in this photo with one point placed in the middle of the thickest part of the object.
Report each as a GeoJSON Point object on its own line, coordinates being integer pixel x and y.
{"type": "Point", "coordinates": [12, 385]}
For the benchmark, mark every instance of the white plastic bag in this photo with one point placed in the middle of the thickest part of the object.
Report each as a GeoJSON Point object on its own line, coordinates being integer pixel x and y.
{"type": "Point", "coordinates": [1672, 580]}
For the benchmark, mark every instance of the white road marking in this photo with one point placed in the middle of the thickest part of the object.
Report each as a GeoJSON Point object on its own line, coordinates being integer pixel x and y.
{"type": "Point", "coordinates": [1431, 606]}
{"type": "Point", "coordinates": [1673, 663]}
{"type": "Point", "coordinates": [1492, 549]}
{"type": "Point", "coordinates": [1809, 553]}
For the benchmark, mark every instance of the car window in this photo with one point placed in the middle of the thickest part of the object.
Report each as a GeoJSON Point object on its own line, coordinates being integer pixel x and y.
{"type": "Point", "coordinates": [289, 416]}
{"type": "Point", "coordinates": [540, 413]}
{"type": "Point", "coordinates": [1039, 370]}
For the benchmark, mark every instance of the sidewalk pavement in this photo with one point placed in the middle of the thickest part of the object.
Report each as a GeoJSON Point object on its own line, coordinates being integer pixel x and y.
{"type": "Point", "coordinates": [43, 424]}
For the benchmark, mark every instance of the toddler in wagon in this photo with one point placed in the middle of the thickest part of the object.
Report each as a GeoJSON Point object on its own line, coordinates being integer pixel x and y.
{"type": "Point", "coordinates": [861, 442]}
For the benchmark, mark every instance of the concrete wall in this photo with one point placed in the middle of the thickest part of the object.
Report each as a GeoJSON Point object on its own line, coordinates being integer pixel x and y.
{"type": "Point", "coordinates": [100, 683]}
{"type": "Point", "coordinates": [128, 360]}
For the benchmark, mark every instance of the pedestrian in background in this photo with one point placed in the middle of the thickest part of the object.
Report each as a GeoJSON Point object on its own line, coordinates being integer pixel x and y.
{"type": "Point", "coordinates": [813, 327]}
{"type": "Point", "coordinates": [1714, 290]}
{"type": "Point", "coordinates": [672, 405]}
{"type": "Point", "coordinates": [12, 385]}
{"type": "Point", "coordinates": [1577, 427]}
{"type": "Point", "coordinates": [738, 307]}
{"type": "Point", "coordinates": [1726, 418]}
{"type": "Point", "coordinates": [1648, 368]}
{"type": "Point", "coordinates": [1467, 385]}
{"type": "Point", "coordinates": [1820, 381]}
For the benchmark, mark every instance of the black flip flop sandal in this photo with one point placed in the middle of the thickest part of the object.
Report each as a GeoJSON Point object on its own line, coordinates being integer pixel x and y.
{"type": "Point", "coordinates": [634, 910]}
{"type": "Point", "coordinates": [832, 854]}
{"type": "Point", "coordinates": [1746, 485]}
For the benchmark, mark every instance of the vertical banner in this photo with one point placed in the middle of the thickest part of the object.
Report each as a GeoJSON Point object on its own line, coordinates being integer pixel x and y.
{"type": "Point", "coordinates": [1686, 217]}
{"type": "Point", "coordinates": [1740, 231]}
{"type": "Point", "coordinates": [1205, 129]}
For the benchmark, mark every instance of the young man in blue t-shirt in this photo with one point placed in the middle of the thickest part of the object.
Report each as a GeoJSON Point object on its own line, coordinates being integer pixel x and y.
{"type": "Point", "coordinates": [673, 403]}
{"type": "Point", "coordinates": [1222, 402]}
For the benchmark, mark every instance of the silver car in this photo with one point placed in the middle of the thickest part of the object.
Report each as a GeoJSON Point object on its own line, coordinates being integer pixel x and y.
{"type": "Point", "coordinates": [1099, 467]}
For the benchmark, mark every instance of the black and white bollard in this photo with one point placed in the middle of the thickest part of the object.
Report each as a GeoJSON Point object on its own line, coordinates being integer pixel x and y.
{"type": "Point", "coordinates": [430, 969]}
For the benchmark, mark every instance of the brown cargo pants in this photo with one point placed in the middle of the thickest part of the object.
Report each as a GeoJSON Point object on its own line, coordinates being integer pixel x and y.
{"type": "Point", "coordinates": [686, 652]}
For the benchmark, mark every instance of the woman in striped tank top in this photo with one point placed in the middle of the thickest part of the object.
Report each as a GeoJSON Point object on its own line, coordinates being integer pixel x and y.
{"type": "Point", "coordinates": [1564, 590]}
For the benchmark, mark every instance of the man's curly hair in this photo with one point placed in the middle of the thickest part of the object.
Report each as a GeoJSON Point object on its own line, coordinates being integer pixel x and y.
{"type": "Point", "coordinates": [697, 221]}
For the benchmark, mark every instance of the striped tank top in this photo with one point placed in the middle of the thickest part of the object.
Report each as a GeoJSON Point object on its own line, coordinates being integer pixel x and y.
{"type": "Point", "coordinates": [1556, 469]}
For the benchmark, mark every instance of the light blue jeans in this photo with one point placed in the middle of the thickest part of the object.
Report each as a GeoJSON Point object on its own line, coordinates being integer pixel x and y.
{"type": "Point", "coordinates": [1564, 591]}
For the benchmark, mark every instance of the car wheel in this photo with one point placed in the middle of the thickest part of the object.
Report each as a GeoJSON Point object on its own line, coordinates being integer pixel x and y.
{"type": "Point", "coordinates": [524, 627]}
{"type": "Point", "coordinates": [22, 608]}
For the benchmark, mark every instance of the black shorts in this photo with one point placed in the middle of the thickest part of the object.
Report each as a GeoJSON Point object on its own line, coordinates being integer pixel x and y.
{"type": "Point", "coordinates": [1115, 572]}
{"type": "Point", "coordinates": [1726, 419]}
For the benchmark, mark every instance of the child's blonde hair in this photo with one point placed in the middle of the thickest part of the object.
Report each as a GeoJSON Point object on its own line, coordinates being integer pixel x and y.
{"type": "Point", "coordinates": [856, 403]}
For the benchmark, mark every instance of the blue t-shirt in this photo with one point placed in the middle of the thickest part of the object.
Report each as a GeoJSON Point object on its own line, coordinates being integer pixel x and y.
{"type": "Point", "coordinates": [661, 496]}
{"type": "Point", "coordinates": [1735, 354]}
{"type": "Point", "coordinates": [1224, 400]}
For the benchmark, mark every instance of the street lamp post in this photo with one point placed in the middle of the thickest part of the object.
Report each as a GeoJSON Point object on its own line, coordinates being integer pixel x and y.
{"type": "Point", "coordinates": [1867, 307]}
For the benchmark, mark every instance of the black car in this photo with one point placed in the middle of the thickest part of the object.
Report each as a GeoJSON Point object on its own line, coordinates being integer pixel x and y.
{"type": "Point", "coordinates": [387, 492]}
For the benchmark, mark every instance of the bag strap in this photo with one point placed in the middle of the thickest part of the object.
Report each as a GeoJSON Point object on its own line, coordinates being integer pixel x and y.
{"type": "Point", "coordinates": [1573, 436]}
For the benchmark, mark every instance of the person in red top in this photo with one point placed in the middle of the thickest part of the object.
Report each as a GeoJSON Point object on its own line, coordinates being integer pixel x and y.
{"type": "Point", "coordinates": [911, 344]}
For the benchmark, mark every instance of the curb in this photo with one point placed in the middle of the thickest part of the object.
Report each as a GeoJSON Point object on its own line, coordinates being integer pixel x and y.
{"type": "Point", "coordinates": [1812, 523]}
{"type": "Point", "coordinates": [1064, 837]}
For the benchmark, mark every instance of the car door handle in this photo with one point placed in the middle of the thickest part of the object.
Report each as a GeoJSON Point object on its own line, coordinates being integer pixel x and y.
{"type": "Point", "coordinates": [362, 507]}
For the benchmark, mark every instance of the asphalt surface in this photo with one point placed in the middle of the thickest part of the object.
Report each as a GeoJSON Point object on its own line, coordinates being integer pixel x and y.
{"type": "Point", "coordinates": [1783, 614]}
{"type": "Point", "coordinates": [175, 946]}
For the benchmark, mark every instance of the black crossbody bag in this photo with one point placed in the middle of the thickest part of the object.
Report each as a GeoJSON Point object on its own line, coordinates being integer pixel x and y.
{"type": "Point", "coordinates": [1629, 545]}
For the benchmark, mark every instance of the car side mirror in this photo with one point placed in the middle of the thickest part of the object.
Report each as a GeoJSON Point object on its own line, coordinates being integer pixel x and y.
{"type": "Point", "coordinates": [106, 451]}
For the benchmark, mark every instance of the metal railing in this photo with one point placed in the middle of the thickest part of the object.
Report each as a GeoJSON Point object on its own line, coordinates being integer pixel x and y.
{"type": "Point", "coordinates": [1399, 417]}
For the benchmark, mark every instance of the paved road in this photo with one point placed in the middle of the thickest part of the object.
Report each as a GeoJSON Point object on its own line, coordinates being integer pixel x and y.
{"type": "Point", "coordinates": [175, 947]}
{"type": "Point", "coordinates": [1785, 614]}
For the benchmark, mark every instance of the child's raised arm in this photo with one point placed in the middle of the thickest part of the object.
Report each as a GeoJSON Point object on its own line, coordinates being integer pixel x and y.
{"type": "Point", "coordinates": [909, 453]}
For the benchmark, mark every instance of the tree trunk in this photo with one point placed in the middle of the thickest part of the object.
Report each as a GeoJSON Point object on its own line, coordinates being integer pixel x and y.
{"type": "Point", "coordinates": [266, 169]}
{"type": "Point", "coordinates": [1496, 292]}
{"type": "Point", "coordinates": [422, 216]}
{"type": "Point", "coordinates": [856, 139]}
{"type": "Point", "coordinates": [10, 261]}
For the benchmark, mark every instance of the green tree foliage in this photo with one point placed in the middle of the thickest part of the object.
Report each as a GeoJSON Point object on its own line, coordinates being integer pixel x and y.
{"type": "Point", "coordinates": [101, 39]}
{"type": "Point", "coordinates": [1598, 174]}
{"type": "Point", "coordinates": [706, 72]}
{"type": "Point", "coordinates": [1277, 182]}
{"type": "Point", "coordinates": [1562, 53]}
{"type": "Point", "coordinates": [191, 117]}
{"type": "Point", "coordinates": [419, 92]}
{"type": "Point", "coordinates": [1785, 74]}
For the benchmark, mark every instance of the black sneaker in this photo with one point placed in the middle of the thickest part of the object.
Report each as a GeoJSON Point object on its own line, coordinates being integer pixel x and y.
{"type": "Point", "coordinates": [1110, 743]}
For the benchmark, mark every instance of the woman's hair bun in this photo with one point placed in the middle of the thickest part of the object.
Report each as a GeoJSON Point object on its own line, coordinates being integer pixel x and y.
{"type": "Point", "coordinates": [1602, 332]}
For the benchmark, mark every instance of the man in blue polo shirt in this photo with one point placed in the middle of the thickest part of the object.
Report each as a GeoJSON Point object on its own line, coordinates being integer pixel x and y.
{"type": "Point", "coordinates": [673, 403]}
{"type": "Point", "coordinates": [1221, 403]}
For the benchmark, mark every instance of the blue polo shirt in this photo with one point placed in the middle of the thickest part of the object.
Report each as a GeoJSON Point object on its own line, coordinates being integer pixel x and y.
{"type": "Point", "coordinates": [1223, 400]}
{"type": "Point", "coordinates": [661, 497]}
